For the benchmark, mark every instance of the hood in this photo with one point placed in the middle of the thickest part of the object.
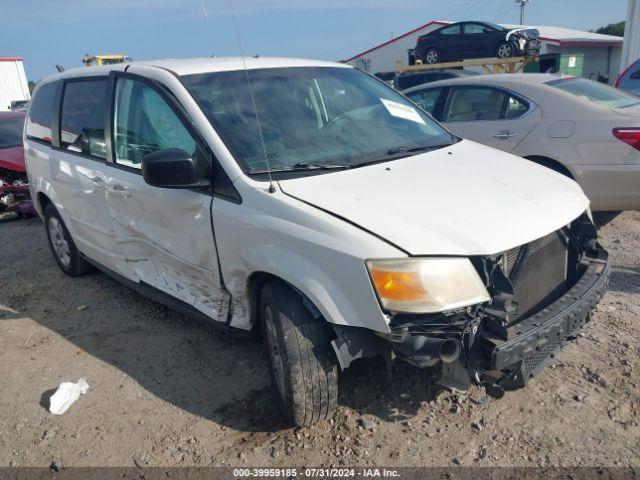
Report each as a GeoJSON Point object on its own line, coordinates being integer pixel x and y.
{"type": "Point", "coordinates": [528, 33]}
{"type": "Point", "coordinates": [467, 199]}
{"type": "Point", "coordinates": [12, 159]}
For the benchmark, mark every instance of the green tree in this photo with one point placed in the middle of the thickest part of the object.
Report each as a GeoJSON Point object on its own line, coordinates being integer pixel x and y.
{"type": "Point", "coordinates": [32, 85]}
{"type": "Point", "coordinates": [616, 29]}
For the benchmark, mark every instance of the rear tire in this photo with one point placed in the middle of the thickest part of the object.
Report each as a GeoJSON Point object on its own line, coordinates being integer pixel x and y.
{"type": "Point", "coordinates": [431, 56]}
{"type": "Point", "coordinates": [505, 50]}
{"type": "Point", "coordinates": [303, 366]}
{"type": "Point", "coordinates": [64, 249]}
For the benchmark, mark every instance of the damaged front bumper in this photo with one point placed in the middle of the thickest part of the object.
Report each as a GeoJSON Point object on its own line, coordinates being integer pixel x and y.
{"type": "Point", "coordinates": [489, 344]}
{"type": "Point", "coordinates": [534, 341]}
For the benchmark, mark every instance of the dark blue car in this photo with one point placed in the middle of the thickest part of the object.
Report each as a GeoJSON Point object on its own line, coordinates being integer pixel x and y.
{"type": "Point", "coordinates": [464, 40]}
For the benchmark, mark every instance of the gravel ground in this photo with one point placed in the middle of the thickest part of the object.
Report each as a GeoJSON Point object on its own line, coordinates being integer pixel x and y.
{"type": "Point", "coordinates": [166, 391]}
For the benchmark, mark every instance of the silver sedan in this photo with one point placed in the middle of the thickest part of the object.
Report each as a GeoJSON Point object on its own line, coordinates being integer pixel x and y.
{"type": "Point", "coordinates": [580, 128]}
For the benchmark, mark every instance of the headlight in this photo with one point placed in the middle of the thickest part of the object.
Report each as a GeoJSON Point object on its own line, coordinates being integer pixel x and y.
{"type": "Point", "coordinates": [426, 285]}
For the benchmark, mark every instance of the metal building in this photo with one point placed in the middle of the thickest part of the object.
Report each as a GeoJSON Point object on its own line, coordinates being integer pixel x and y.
{"type": "Point", "coordinates": [13, 82]}
{"type": "Point", "coordinates": [598, 55]}
{"type": "Point", "coordinates": [631, 49]}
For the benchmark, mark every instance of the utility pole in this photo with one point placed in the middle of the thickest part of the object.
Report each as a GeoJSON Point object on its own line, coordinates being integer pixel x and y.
{"type": "Point", "coordinates": [522, 4]}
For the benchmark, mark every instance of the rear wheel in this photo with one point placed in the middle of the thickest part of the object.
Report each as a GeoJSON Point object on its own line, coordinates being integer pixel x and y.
{"type": "Point", "coordinates": [303, 366]}
{"type": "Point", "coordinates": [504, 50]}
{"type": "Point", "coordinates": [64, 250]}
{"type": "Point", "coordinates": [431, 56]}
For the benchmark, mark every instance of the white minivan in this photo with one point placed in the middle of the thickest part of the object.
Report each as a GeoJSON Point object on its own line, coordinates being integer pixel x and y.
{"type": "Point", "coordinates": [312, 203]}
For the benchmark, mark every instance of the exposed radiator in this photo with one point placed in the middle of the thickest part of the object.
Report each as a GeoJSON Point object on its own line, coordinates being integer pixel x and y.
{"type": "Point", "coordinates": [538, 271]}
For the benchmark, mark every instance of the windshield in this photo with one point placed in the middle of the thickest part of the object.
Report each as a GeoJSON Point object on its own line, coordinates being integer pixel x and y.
{"type": "Point", "coordinates": [599, 93]}
{"type": "Point", "coordinates": [312, 115]}
{"type": "Point", "coordinates": [11, 132]}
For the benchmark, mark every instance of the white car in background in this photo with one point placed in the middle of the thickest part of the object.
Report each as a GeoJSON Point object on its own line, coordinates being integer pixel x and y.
{"type": "Point", "coordinates": [583, 129]}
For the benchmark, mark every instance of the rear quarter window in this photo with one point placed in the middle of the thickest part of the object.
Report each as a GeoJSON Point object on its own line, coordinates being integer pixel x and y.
{"type": "Point", "coordinates": [82, 117]}
{"type": "Point", "coordinates": [41, 113]}
{"type": "Point", "coordinates": [595, 92]}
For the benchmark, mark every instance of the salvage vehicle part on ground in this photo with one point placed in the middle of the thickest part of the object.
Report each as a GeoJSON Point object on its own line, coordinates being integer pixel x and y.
{"type": "Point", "coordinates": [466, 40]}
{"type": "Point", "coordinates": [14, 186]}
{"type": "Point", "coordinates": [313, 203]}
{"type": "Point", "coordinates": [583, 129]}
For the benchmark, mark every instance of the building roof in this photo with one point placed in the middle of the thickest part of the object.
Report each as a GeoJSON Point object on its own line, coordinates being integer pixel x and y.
{"type": "Point", "coordinates": [567, 37]}
{"type": "Point", "coordinates": [564, 37]}
{"type": "Point", "coordinates": [10, 59]}
{"type": "Point", "coordinates": [393, 40]}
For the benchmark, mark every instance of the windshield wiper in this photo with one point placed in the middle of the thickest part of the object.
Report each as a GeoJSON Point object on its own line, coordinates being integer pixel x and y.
{"type": "Point", "coordinates": [302, 167]}
{"type": "Point", "coordinates": [399, 152]}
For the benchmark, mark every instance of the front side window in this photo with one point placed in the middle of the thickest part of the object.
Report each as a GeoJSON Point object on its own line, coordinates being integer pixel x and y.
{"type": "Point", "coordinates": [145, 123]}
{"type": "Point", "coordinates": [41, 112]}
{"type": "Point", "coordinates": [427, 99]}
{"type": "Point", "coordinates": [11, 132]}
{"type": "Point", "coordinates": [472, 28]}
{"type": "Point", "coordinates": [595, 92]}
{"type": "Point", "coordinates": [467, 104]}
{"type": "Point", "coordinates": [310, 115]}
{"type": "Point", "coordinates": [82, 117]}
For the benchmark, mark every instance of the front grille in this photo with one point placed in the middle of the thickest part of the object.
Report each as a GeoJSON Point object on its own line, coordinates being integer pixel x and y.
{"type": "Point", "coordinates": [538, 272]}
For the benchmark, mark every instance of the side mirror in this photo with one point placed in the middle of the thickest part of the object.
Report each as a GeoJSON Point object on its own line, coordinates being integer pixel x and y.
{"type": "Point", "coordinates": [171, 168]}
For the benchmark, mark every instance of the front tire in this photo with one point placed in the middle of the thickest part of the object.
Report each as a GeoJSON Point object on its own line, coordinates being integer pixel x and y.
{"type": "Point", "coordinates": [303, 366]}
{"type": "Point", "coordinates": [64, 249]}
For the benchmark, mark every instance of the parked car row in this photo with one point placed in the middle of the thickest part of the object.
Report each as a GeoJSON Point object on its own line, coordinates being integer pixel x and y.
{"type": "Point", "coordinates": [585, 130]}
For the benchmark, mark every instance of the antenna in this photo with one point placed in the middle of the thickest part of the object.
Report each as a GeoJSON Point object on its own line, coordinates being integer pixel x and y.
{"type": "Point", "coordinates": [272, 187]}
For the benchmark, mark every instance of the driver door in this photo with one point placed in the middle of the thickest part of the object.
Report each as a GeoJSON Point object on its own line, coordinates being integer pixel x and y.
{"type": "Point", "coordinates": [164, 236]}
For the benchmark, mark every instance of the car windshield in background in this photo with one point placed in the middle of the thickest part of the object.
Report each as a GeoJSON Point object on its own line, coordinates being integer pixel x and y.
{"type": "Point", "coordinates": [595, 92]}
{"type": "Point", "coordinates": [312, 117]}
{"type": "Point", "coordinates": [11, 132]}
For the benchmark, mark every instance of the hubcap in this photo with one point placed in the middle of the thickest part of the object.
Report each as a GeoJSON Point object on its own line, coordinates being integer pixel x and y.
{"type": "Point", "coordinates": [275, 355]}
{"type": "Point", "coordinates": [432, 56]}
{"type": "Point", "coordinates": [59, 242]}
{"type": "Point", "coordinates": [504, 51]}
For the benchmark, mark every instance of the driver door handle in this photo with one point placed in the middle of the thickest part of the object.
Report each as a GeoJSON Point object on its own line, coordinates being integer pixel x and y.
{"type": "Point", "coordinates": [504, 134]}
{"type": "Point", "coordinates": [119, 190]}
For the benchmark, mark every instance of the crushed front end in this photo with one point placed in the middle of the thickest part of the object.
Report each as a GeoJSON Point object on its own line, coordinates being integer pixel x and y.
{"type": "Point", "coordinates": [542, 294]}
{"type": "Point", "coordinates": [14, 191]}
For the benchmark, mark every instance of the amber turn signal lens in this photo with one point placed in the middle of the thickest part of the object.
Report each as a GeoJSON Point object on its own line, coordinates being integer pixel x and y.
{"type": "Point", "coordinates": [403, 286]}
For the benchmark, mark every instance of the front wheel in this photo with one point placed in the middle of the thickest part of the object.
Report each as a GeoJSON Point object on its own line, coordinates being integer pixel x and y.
{"type": "Point", "coordinates": [304, 370]}
{"type": "Point", "coordinates": [505, 50]}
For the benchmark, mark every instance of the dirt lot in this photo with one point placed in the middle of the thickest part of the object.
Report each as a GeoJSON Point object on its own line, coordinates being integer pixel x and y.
{"type": "Point", "coordinates": [167, 391]}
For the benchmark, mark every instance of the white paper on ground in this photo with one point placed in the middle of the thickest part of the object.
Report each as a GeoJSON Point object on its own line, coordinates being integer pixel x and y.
{"type": "Point", "coordinates": [66, 394]}
{"type": "Point", "coordinates": [402, 111]}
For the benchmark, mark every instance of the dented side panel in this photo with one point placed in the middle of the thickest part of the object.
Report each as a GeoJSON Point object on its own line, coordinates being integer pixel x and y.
{"type": "Point", "coordinates": [163, 237]}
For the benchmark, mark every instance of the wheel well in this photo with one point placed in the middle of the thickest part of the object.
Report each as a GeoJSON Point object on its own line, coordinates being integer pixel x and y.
{"type": "Point", "coordinates": [254, 285]}
{"type": "Point", "coordinates": [43, 201]}
{"type": "Point", "coordinates": [552, 164]}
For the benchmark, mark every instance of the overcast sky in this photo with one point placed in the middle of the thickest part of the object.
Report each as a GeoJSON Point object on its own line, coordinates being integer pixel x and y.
{"type": "Point", "coordinates": [49, 32]}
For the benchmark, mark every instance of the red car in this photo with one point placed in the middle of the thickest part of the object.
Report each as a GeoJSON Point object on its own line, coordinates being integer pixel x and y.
{"type": "Point", "coordinates": [14, 187]}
